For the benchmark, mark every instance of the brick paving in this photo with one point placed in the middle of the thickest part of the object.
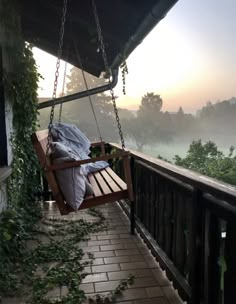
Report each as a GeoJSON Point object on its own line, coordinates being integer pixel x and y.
{"type": "Point", "coordinates": [118, 254]}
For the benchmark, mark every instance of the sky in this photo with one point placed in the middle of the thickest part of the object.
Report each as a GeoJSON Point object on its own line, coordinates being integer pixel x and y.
{"type": "Point", "coordinates": [189, 59]}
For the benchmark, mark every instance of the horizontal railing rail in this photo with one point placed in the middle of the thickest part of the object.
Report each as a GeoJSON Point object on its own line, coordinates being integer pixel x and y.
{"type": "Point", "coordinates": [189, 222]}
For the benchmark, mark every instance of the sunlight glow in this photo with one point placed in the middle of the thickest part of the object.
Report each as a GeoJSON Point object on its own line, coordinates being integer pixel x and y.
{"type": "Point", "coordinates": [163, 64]}
{"type": "Point", "coordinates": [186, 59]}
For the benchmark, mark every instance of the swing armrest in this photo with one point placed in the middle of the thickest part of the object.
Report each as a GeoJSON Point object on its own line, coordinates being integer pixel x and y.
{"type": "Point", "coordinates": [77, 163]}
{"type": "Point", "coordinates": [97, 144]}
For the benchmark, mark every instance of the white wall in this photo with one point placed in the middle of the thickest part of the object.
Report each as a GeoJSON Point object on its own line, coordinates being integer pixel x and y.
{"type": "Point", "coordinates": [9, 128]}
{"type": "Point", "coordinates": [6, 41]}
{"type": "Point", "coordinates": [3, 196]}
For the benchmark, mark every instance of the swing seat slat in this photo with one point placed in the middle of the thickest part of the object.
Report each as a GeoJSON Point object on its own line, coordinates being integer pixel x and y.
{"type": "Point", "coordinates": [107, 185]}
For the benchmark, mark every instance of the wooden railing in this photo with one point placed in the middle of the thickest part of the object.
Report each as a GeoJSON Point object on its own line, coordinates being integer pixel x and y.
{"type": "Point", "coordinates": [189, 223]}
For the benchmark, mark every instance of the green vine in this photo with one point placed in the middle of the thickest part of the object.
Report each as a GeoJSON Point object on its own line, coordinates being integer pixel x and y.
{"type": "Point", "coordinates": [56, 266]}
{"type": "Point", "coordinates": [24, 179]}
{"type": "Point", "coordinates": [59, 263]}
{"type": "Point", "coordinates": [21, 83]}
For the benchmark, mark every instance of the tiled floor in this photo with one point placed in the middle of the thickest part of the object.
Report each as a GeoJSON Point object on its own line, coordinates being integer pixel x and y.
{"type": "Point", "coordinates": [118, 254]}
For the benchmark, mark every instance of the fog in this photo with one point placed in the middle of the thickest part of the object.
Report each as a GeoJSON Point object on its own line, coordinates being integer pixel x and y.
{"type": "Point", "coordinates": [150, 130]}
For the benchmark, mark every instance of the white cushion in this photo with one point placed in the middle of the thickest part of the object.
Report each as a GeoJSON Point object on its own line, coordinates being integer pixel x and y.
{"type": "Point", "coordinates": [72, 181]}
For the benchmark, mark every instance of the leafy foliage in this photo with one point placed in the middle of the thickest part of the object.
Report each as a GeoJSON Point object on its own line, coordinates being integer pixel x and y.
{"type": "Point", "coordinates": [18, 221]}
{"type": "Point", "coordinates": [61, 262]}
{"type": "Point", "coordinates": [79, 111]}
{"type": "Point", "coordinates": [57, 263]}
{"type": "Point", "coordinates": [23, 184]}
{"type": "Point", "coordinates": [208, 160]}
{"type": "Point", "coordinates": [151, 105]}
{"type": "Point", "coordinates": [150, 125]}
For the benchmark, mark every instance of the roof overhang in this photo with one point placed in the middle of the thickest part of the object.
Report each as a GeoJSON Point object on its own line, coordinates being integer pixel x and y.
{"type": "Point", "coordinates": [124, 23]}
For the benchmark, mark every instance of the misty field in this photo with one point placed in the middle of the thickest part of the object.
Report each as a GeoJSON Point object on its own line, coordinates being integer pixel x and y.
{"type": "Point", "coordinates": [168, 151]}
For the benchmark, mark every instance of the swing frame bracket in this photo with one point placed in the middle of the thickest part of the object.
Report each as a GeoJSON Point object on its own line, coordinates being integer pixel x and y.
{"type": "Point", "coordinates": [79, 95]}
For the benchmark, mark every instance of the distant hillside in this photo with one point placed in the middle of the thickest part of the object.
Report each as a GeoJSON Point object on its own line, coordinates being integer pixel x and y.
{"type": "Point", "coordinates": [232, 100]}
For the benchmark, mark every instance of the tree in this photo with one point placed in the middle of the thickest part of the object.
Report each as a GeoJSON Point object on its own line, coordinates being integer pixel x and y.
{"type": "Point", "coordinates": [101, 101]}
{"type": "Point", "coordinates": [217, 121]}
{"type": "Point", "coordinates": [150, 125]}
{"type": "Point", "coordinates": [126, 114]}
{"type": "Point", "coordinates": [135, 130]}
{"type": "Point", "coordinates": [142, 128]}
{"type": "Point", "coordinates": [79, 112]}
{"type": "Point", "coordinates": [207, 112]}
{"type": "Point", "coordinates": [208, 160]}
{"type": "Point", "coordinates": [76, 81]}
{"type": "Point", "coordinates": [151, 105]}
{"type": "Point", "coordinates": [158, 125]}
{"type": "Point", "coordinates": [180, 113]}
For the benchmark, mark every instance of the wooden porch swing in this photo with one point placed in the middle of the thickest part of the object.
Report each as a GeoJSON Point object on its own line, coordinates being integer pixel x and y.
{"type": "Point", "coordinates": [107, 185]}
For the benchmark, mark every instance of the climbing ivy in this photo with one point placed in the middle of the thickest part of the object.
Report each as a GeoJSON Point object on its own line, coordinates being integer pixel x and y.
{"type": "Point", "coordinates": [53, 270]}
{"type": "Point", "coordinates": [23, 89]}
{"type": "Point", "coordinates": [20, 81]}
{"type": "Point", "coordinates": [18, 224]}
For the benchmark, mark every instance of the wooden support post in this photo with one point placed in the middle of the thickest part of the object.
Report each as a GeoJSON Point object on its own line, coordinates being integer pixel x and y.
{"type": "Point", "coordinates": [214, 260]}
{"type": "Point", "coordinates": [128, 179]}
{"type": "Point", "coordinates": [230, 257]}
{"type": "Point", "coordinates": [196, 239]}
{"type": "Point", "coordinates": [103, 152]}
{"type": "Point", "coordinates": [3, 135]}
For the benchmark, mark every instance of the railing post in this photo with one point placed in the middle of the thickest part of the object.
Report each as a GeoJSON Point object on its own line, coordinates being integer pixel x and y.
{"type": "Point", "coordinates": [103, 151]}
{"type": "Point", "coordinates": [132, 206]}
{"type": "Point", "coordinates": [214, 238]}
{"type": "Point", "coordinates": [128, 178]}
{"type": "Point", "coordinates": [230, 257]}
{"type": "Point", "coordinates": [196, 248]}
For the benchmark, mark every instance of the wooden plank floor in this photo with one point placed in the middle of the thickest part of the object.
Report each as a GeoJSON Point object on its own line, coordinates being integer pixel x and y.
{"type": "Point", "coordinates": [118, 254]}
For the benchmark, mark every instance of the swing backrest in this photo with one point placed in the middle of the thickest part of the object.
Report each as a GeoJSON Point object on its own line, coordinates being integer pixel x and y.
{"type": "Point", "coordinates": [40, 140]}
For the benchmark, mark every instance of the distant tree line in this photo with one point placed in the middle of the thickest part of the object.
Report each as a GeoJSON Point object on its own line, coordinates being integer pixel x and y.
{"type": "Point", "coordinates": [149, 125]}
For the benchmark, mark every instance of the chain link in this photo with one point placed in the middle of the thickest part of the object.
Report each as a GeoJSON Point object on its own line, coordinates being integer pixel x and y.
{"type": "Point", "coordinates": [107, 69]}
{"type": "Point", "coordinates": [124, 72]}
{"type": "Point", "coordinates": [61, 39]}
{"type": "Point", "coordinates": [63, 92]}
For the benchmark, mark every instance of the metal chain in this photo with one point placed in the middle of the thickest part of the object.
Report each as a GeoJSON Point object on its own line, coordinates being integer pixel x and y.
{"type": "Point", "coordinates": [124, 72]}
{"type": "Point", "coordinates": [59, 52]}
{"type": "Point", "coordinates": [63, 91]}
{"type": "Point", "coordinates": [89, 96]}
{"type": "Point", "coordinates": [100, 38]}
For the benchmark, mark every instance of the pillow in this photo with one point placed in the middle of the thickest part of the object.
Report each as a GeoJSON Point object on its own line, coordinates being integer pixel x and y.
{"type": "Point", "coordinates": [72, 181]}
{"type": "Point", "coordinates": [76, 143]}
{"type": "Point", "coordinates": [72, 137]}
{"type": "Point", "coordinates": [88, 189]}
{"type": "Point", "coordinates": [94, 167]}
{"type": "Point", "coordinates": [59, 150]}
